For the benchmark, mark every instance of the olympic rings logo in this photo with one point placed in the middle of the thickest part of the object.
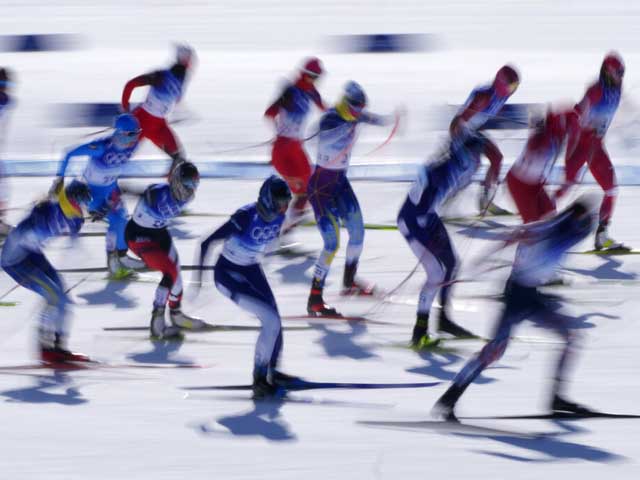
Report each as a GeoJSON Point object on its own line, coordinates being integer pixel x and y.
{"type": "Point", "coordinates": [265, 234]}
{"type": "Point", "coordinates": [112, 158]}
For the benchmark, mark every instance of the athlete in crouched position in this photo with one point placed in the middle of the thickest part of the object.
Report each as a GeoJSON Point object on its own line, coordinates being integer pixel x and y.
{"type": "Point", "coordinates": [239, 276]}
{"type": "Point", "coordinates": [23, 260]}
{"type": "Point", "coordinates": [542, 246]}
{"type": "Point", "coordinates": [449, 172]}
{"type": "Point", "coordinates": [148, 237]}
{"type": "Point", "coordinates": [107, 157]}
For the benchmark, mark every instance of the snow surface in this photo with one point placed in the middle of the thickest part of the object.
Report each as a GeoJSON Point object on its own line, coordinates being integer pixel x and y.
{"type": "Point", "coordinates": [138, 423]}
{"type": "Point", "coordinates": [141, 423]}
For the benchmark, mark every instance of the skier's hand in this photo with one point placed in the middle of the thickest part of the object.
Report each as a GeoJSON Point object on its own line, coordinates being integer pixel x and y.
{"type": "Point", "coordinates": [100, 213]}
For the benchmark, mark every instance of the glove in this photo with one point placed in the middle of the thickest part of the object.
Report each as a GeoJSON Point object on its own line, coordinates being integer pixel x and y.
{"type": "Point", "coordinates": [100, 213]}
{"type": "Point", "coordinates": [56, 186]}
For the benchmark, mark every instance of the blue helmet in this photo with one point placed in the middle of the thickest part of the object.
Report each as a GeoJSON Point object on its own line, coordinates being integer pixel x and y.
{"type": "Point", "coordinates": [352, 102]}
{"type": "Point", "coordinates": [355, 96]}
{"type": "Point", "coordinates": [127, 131]}
{"type": "Point", "coordinates": [274, 198]}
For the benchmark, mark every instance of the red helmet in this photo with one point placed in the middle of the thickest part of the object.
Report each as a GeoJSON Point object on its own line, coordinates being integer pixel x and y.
{"type": "Point", "coordinates": [312, 67]}
{"type": "Point", "coordinates": [506, 81]}
{"type": "Point", "coordinates": [612, 69]}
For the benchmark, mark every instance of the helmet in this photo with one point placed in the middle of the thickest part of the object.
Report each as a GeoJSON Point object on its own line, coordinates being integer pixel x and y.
{"type": "Point", "coordinates": [353, 101]}
{"type": "Point", "coordinates": [73, 198]}
{"type": "Point", "coordinates": [185, 55]}
{"type": "Point", "coordinates": [78, 192]}
{"type": "Point", "coordinates": [312, 67]}
{"type": "Point", "coordinates": [274, 198]}
{"type": "Point", "coordinates": [127, 131]}
{"type": "Point", "coordinates": [183, 181]}
{"type": "Point", "coordinates": [506, 81]}
{"type": "Point", "coordinates": [612, 69]}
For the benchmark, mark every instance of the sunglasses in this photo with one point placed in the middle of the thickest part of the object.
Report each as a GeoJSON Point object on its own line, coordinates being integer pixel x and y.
{"type": "Point", "coordinates": [134, 133]}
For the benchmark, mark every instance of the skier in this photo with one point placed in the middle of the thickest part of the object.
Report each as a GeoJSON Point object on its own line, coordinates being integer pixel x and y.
{"type": "Point", "coordinates": [586, 143]}
{"type": "Point", "coordinates": [5, 104]}
{"type": "Point", "coordinates": [483, 103]}
{"type": "Point", "coordinates": [450, 171]}
{"type": "Point", "coordinates": [23, 260]}
{"type": "Point", "coordinates": [166, 89]}
{"type": "Point", "coordinates": [107, 157]}
{"type": "Point", "coordinates": [332, 197]}
{"type": "Point", "coordinates": [147, 236]}
{"type": "Point", "coordinates": [289, 113]}
{"type": "Point", "coordinates": [528, 176]}
{"type": "Point", "coordinates": [239, 276]}
{"type": "Point", "coordinates": [542, 245]}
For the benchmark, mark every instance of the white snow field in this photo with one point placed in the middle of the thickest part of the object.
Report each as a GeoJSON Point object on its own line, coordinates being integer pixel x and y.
{"type": "Point", "coordinates": [132, 422]}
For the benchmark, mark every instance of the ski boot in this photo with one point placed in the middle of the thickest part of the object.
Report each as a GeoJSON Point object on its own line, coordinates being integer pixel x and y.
{"type": "Point", "coordinates": [445, 324]}
{"type": "Point", "coordinates": [604, 242]}
{"type": "Point", "coordinates": [420, 339]}
{"type": "Point", "coordinates": [184, 321]}
{"type": "Point", "coordinates": [264, 388]}
{"type": "Point", "coordinates": [159, 330]}
{"type": "Point", "coordinates": [55, 353]}
{"type": "Point", "coordinates": [493, 209]}
{"type": "Point", "coordinates": [121, 265]}
{"type": "Point", "coordinates": [317, 308]}
{"type": "Point", "coordinates": [353, 286]}
{"type": "Point", "coordinates": [282, 379]}
{"type": "Point", "coordinates": [562, 406]}
{"type": "Point", "coordinates": [444, 409]}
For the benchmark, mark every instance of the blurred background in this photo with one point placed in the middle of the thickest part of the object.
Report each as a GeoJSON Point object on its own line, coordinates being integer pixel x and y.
{"type": "Point", "coordinates": [71, 59]}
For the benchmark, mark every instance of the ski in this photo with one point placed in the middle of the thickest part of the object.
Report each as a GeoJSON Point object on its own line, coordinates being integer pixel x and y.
{"type": "Point", "coordinates": [105, 269]}
{"type": "Point", "coordinates": [344, 318]}
{"type": "Point", "coordinates": [207, 328]}
{"type": "Point", "coordinates": [299, 385]}
{"type": "Point", "coordinates": [443, 426]}
{"type": "Point", "coordinates": [70, 366]}
{"type": "Point", "coordinates": [8, 304]}
{"type": "Point", "coordinates": [611, 252]}
{"type": "Point", "coordinates": [556, 416]}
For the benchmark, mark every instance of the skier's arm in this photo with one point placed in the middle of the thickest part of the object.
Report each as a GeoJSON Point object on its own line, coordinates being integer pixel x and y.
{"type": "Point", "coordinates": [375, 119]}
{"type": "Point", "coordinates": [236, 224]}
{"type": "Point", "coordinates": [87, 149]}
{"type": "Point", "coordinates": [139, 81]}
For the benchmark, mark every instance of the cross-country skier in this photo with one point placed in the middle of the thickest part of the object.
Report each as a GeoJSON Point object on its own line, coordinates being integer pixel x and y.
{"type": "Point", "coordinates": [166, 88]}
{"type": "Point", "coordinates": [289, 113]}
{"type": "Point", "coordinates": [148, 237]}
{"type": "Point", "coordinates": [542, 246]}
{"type": "Point", "coordinates": [418, 220]}
{"type": "Point", "coordinates": [5, 105]}
{"type": "Point", "coordinates": [529, 174]}
{"type": "Point", "coordinates": [107, 157]}
{"type": "Point", "coordinates": [23, 260]}
{"type": "Point", "coordinates": [239, 276]}
{"type": "Point", "coordinates": [484, 103]}
{"type": "Point", "coordinates": [332, 198]}
{"type": "Point", "coordinates": [586, 143]}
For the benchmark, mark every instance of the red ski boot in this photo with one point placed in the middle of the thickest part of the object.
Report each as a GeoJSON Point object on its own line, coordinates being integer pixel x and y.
{"type": "Point", "coordinates": [353, 286]}
{"type": "Point", "coordinates": [316, 306]}
{"type": "Point", "coordinates": [56, 355]}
